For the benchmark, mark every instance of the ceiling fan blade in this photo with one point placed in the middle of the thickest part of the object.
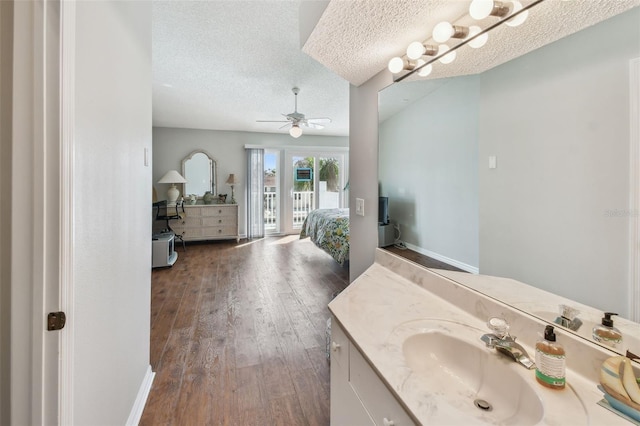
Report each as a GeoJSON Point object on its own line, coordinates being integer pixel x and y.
{"type": "Point", "coordinates": [319, 120]}
{"type": "Point", "coordinates": [286, 125]}
{"type": "Point", "coordinates": [272, 121]}
{"type": "Point", "coordinates": [312, 125]}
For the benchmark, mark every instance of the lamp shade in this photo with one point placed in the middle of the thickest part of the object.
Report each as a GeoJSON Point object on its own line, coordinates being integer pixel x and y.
{"type": "Point", "coordinates": [231, 180]}
{"type": "Point", "coordinates": [172, 176]}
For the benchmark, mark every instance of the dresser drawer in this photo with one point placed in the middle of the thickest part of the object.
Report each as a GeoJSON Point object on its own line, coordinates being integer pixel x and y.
{"type": "Point", "coordinates": [220, 211]}
{"type": "Point", "coordinates": [225, 221]}
{"type": "Point", "coordinates": [219, 231]}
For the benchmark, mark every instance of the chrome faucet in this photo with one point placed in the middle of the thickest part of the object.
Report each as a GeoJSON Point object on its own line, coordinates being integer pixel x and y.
{"type": "Point", "coordinates": [501, 341]}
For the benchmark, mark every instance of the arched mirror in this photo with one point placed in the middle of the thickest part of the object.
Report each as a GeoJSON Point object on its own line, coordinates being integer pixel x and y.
{"type": "Point", "coordinates": [199, 169]}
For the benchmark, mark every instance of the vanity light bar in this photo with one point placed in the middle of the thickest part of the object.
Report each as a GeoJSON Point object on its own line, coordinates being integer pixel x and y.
{"type": "Point", "coordinates": [442, 53]}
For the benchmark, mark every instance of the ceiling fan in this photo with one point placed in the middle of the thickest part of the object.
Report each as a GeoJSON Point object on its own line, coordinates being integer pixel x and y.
{"type": "Point", "coordinates": [296, 120]}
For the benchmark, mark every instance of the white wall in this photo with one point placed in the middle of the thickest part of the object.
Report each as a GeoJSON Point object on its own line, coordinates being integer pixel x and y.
{"type": "Point", "coordinates": [429, 170]}
{"type": "Point", "coordinates": [562, 142]}
{"type": "Point", "coordinates": [112, 191]}
{"type": "Point", "coordinates": [171, 145]}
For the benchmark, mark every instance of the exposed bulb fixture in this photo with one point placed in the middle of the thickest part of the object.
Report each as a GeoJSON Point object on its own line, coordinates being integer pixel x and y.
{"type": "Point", "coordinates": [518, 20]}
{"type": "Point", "coordinates": [449, 57]}
{"type": "Point", "coordinates": [424, 71]}
{"type": "Point", "coordinates": [417, 49]}
{"type": "Point", "coordinates": [478, 41]}
{"type": "Point", "coordinates": [480, 9]}
{"type": "Point", "coordinates": [445, 31]}
{"type": "Point", "coordinates": [295, 131]}
{"type": "Point", "coordinates": [399, 64]}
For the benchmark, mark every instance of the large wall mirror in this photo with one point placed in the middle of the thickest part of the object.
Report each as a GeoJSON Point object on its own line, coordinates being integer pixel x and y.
{"type": "Point", "coordinates": [524, 171]}
{"type": "Point", "coordinates": [199, 169]}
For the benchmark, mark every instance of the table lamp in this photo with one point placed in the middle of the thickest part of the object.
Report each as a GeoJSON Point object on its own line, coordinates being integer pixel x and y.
{"type": "Point", "coordinates": [172, 177]}
{"type": "Point", "coordinates": [231, 180]}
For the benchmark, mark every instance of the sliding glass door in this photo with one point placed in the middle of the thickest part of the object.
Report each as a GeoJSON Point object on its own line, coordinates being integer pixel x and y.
{"type": "Point", "coordinates": [314, 180]}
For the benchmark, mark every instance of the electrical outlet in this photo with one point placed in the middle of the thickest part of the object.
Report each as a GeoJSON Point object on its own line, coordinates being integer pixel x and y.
{"type": "Point", "coordinates": [359, 206]}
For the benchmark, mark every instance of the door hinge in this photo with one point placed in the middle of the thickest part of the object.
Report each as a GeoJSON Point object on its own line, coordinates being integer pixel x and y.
{"type": "Point", "coordinates": [56, 321]}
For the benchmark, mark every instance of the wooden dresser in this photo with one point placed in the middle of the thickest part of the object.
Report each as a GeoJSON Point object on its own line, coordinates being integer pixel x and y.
{"type": "Point", "coordinates": [208, 222]}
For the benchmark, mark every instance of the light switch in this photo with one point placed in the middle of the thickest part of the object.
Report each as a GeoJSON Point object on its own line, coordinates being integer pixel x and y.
{"type": "Point", "coordinates": [146, 157]}
{"type": "Point", "coordinates": [493, 162]}
{"type": "Point", "coordinates": [359, 206]}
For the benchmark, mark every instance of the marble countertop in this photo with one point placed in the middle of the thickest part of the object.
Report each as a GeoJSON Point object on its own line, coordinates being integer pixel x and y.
{"type": "Point", "coordinates": [381, 308]}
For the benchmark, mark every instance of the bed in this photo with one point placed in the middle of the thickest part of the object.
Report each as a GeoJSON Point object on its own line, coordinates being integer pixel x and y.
{"type": "Point", "coordinates": [329, 230]}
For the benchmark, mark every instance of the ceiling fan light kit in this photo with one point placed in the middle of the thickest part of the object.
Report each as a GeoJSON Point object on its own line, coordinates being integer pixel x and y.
{"type": "Point", "coordinates": [296, 120]}
{"type": "Point", "coordinates": [415, 60]}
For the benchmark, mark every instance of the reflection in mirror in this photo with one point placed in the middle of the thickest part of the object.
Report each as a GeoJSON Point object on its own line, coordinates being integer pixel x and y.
{"type": "Point", "coordinates": [524, 172]}
{"type": "Point", "coordinates": [199, 169]}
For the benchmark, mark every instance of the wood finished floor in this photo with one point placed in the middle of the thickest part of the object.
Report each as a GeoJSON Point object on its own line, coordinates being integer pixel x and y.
{"type": "Point", "coordinates": [238, 334]}
{"type": "Point", "coordinates": [421, 259]}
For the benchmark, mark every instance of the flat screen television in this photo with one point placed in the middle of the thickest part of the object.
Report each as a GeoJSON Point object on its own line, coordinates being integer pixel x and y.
{"type": "Point", "coordinates": [383, 210]}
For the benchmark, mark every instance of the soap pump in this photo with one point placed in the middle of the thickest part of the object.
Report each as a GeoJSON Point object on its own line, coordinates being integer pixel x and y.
{"type": "Point", "coordinates": [550, 360]}
{"type": "Point", "coordinates": [606, 333]}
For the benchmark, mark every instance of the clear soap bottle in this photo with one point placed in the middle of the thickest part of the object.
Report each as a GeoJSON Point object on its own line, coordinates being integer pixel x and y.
{"type": "Point", "coordinates": [606, 333]}
{"type": "Point", "coordinates": [550, 361]}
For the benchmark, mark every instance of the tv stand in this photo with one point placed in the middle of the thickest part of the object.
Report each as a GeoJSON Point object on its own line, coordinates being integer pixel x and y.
{"type": "Point", "coordinates": [386, 234]}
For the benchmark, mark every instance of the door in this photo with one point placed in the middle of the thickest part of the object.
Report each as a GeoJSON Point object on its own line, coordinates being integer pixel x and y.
{"type": "Point", "coordinates": [315, 180]}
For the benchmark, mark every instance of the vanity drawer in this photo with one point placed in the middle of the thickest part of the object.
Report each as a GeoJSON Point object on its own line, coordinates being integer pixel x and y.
{"type": "Point", "coordinates": [375, 396]}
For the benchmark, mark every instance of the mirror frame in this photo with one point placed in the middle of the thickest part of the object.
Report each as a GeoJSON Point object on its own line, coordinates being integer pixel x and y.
{"type": "Point", "coordinates": [214, 171]}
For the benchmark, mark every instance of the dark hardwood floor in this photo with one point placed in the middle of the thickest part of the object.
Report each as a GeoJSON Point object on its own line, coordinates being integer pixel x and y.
{"type": "Point", "coordinates": [421, 259]}
{"type": "Point", "coordinates": [238, 334]}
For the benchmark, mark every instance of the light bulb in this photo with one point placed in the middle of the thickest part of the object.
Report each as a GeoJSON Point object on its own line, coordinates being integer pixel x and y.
{"type": "Point", "coordinates": [295, 131]}
{"type": "Point", "coordinates": [396, 65]}
{"type": "Point", "coordinates": [415, 50]}
{"type": "Point", "coordinates": [480, 9]}
{"type": "Point", "coordinates": [424, 71]}
{"type": "Point", "coordinates": [518, 20]}
{"type": "Point", "coordinates": [449, 57]}
{"type": "Point", "coordinates": [479, 41]}
{"type": "Point", "coordinates": [442, 32]}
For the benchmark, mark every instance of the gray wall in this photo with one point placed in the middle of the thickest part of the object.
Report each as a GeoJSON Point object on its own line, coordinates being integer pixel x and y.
{"type": "Point", "coordinates": [429, 170]}
{"type": "Point", "coordinates": [363, 171]}
{"type": "Point", "coordinates": [112, 192]}
{"type": "Point", "coordinates": [6, 52]}
{"type": "Point", "coordinates": [171, 145]}
{"type": "Point", "coordinates": [558, 121]}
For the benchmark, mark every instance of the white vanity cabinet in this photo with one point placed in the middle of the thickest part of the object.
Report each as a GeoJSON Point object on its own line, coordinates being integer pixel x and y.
{"type": "Point", "coordinates": [358, 395]}
{"type": "Point", "coordinates": [208, 222]}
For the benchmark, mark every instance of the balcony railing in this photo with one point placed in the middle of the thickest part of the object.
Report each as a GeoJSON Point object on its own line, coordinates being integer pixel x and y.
{"type": "Point", "coordinates": [303, 203]}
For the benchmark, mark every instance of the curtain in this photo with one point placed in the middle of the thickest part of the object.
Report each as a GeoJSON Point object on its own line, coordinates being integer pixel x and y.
{"type": "Point", "coordinates": [255, 191]}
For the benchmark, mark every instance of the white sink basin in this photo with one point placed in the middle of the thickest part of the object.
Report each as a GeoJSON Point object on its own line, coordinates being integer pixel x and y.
{"type": "Point", "coordinates": [472, 378]}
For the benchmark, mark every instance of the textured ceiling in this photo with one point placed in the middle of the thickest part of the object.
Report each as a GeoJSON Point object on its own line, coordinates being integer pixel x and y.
{"type": "Point", "coordinates": [357, 38]}
{"type": "Point", "coordinates": [225, 64]}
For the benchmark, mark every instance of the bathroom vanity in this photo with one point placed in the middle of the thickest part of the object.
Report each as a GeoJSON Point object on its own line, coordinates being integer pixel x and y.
{"type": "Point", "coordinates": [406, 349]}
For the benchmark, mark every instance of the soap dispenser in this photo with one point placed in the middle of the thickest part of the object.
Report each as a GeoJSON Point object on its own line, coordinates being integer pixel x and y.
{"type": "Point", "coordinates": [606, 333]}
{"type": "Point", "coordinates": [550, 361]}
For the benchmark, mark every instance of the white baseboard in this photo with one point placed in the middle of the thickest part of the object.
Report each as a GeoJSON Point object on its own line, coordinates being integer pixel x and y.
{"type": "Point", "coordinates": [141, 399]}
{"type": "Point", "coordinates": [441, 258]}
